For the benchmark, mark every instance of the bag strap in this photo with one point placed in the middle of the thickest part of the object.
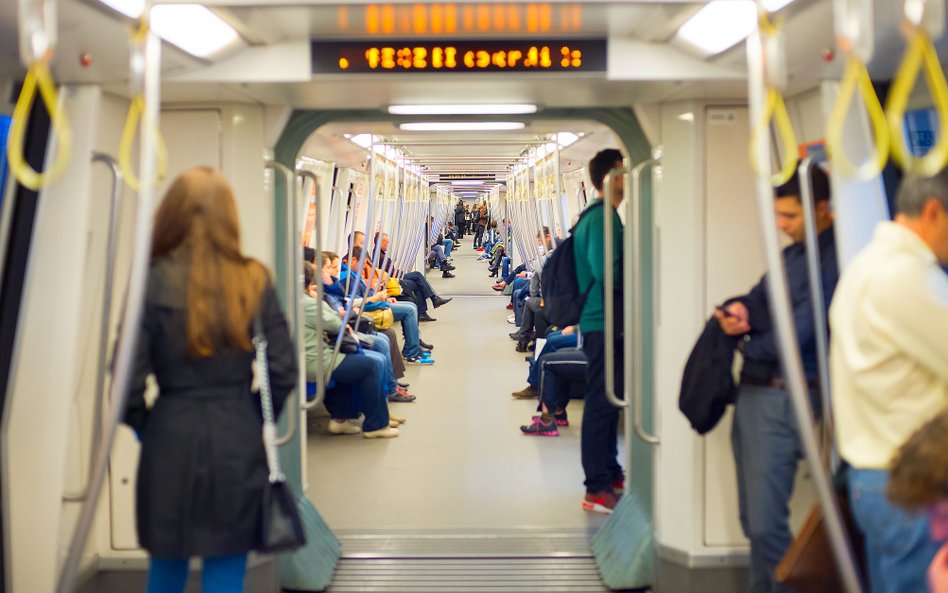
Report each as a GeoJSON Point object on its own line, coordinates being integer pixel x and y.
{"type": "Point", "coordinates": [266, 401]}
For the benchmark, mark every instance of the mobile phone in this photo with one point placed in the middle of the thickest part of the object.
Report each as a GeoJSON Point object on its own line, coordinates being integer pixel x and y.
{"type": "Point", "coordinates": [725, 311]}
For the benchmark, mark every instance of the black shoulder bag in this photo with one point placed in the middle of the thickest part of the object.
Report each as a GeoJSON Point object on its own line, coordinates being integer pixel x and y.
{"type": "Point", "coordinates": [281, 527]}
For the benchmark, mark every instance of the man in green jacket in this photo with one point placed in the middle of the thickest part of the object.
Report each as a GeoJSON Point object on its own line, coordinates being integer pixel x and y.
{"type": "Point", "coordinates": [600, 418]}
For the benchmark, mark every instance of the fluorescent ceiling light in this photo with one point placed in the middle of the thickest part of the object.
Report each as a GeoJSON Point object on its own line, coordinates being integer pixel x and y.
{"type": "Point", "coordinates": [191, 27]}
{"type": "Point", "coordinates": [462, 126]}
{"type": "Point", "coordinates": [467, 182]}
{"type": "Point", "coordinates": [363, 140]}
{"type": "Point", "coordinates": [564, 139]}
{"type": "Point", "coordinates": [497, 109]}
{"type": "Point", "coordinates": [721, 24]}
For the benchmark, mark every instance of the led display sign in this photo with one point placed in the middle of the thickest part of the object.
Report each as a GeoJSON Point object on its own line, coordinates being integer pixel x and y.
{"type": "Point", "coordinates": [462, 55]}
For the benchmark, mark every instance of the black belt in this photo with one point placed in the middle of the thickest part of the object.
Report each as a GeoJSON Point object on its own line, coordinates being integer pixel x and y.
{"type": "Point", "coordinates": [776, 383]}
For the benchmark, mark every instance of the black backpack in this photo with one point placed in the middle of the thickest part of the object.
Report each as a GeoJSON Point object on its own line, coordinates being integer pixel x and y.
{"type": "Point", "coordinates": [563, 300]}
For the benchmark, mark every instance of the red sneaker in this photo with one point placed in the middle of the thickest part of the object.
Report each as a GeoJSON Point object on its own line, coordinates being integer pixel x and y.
{"type": "Point", "coordinates": [600, 502]}
{"type": "Point", "coordinates": [510, 306]}
{"type": "Point", "coordinates": [619, 485]}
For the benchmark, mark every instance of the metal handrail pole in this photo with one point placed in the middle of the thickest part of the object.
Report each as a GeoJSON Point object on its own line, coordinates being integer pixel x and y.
{"type": "Point", "coordinates": [608, 274]}
{"type": "Point", "coordinates": [320, 369]}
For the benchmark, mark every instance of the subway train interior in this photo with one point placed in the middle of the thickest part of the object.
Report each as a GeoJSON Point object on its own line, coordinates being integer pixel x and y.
{"type": "Point", "coordinates": [339, 121]}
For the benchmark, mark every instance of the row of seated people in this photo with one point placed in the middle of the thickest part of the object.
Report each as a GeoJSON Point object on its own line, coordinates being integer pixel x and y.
{"type": "Point", "coordinates": [364, 374]}
{"type": "Point", "coordinates": [441, 246]}
{"type": "Point", "coordinates": [558, 371]}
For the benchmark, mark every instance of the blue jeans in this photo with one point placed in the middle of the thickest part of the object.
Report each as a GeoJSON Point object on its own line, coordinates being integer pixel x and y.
{"type": "Point", "coordinates": [223, 574]}
{"type": "Point", "coordinates": [407, 314]}
{"type": "Point", "coordinates": [509, 278]}
{"type": "Point", "coordinates": [380, 353]}
{"type": "Point", "coordinates": [599, 439]}
{"type": "Point", "coordinates": [766, 449]}
{"type": "Point", "coordinates": [558, 371]}
{"type": "Point", "coordinates": [898, 545]}
{"type": "Point", "coordinates": [362, 372]}
{"type": "Point", "coordinates": [437, 252]}
{"type": "Point", "coordinates": [504, 266]}
{"type": "Point", "coordinates": [448, 246]}
{"type": "Point", "coordinates": [554, 341]}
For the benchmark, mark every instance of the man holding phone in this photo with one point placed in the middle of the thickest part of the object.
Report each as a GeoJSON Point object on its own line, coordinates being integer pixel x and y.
{"type": "Point", "coordinates": [764, 437]}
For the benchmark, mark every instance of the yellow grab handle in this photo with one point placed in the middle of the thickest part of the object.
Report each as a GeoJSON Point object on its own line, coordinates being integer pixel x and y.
{"type": "Point", "coordinates": [38, 77]}
{"type": "Point", "coordinates": [920, 53]}
{"type": "Point", "coordinates": [136, 111]}
{"type": "Point", "coordinates": [856, 74]}
{"type": "Point", "coordinates": [776, 109]}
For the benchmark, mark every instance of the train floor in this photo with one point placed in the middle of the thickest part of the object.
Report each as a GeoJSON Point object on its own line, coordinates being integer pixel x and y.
{"type": "Point", "coordinates": [460, 461]}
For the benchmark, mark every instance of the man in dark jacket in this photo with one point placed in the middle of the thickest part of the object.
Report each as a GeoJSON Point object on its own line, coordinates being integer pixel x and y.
{"type": "Point", "coordinates": [764, 437]}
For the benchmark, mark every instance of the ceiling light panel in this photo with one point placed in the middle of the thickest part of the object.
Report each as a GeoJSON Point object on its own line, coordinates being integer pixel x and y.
{"type": "Point", "coordinates": [470, 126]}
{"type": "Point", "coordinates": [505, 109]}
{"type": "Point", "coordinates": [191, 27]}
{"type": "Point", "coordinates": [721, 24]}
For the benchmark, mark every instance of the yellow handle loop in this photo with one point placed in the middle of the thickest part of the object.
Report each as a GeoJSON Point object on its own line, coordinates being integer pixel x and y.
{"type": "Point", "coordinates": [776, 109]}
{"type": "Point", "coordinates": [857, 75]}
{"type": "Point", "coordinates": [136, 111]}
{"type": "Point", "coordinates": [920, 53]}
{"type": "Point", "coordinates": [38, 77]}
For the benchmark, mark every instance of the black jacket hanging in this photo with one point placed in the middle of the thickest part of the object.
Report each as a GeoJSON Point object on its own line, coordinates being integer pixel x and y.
{"type": "Point", "coordinates": [707, 385]}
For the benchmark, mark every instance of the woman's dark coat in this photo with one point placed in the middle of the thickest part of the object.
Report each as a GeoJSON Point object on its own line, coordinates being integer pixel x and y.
{"type": "Point", "coordinates": [202, 469]}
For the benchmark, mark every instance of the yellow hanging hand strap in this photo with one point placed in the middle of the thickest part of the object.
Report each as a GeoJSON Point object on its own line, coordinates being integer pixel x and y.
{"type": "Point", "coordinates": [776, 109]}
{"type": "Point", "coordinates": [855, 76]}
{"type": "Point", "coordinates": [38, 77]}
{"type": "Point", "coordinates": [920, 53]}
{"type": "Point", "coordinates": [135, 115]}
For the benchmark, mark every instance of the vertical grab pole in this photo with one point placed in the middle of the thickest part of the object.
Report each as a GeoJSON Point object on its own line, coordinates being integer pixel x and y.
{"type": "Point", "coordinates": [320, 371]}
{"type": "Point", "coordinates": [816, 297]}
{"type": "Point", "coordinates": [294, 269]}
{"type": "Point", "coordinates": [131, 320]}
{"type": "Point", "coordinates": [110, 246]}
{"type": "Point", "coordinates": [608, 273]}
{"type": "Point", "coordinates": [783, 322]}
{"type": "Point", "coordinates": [633, 301]}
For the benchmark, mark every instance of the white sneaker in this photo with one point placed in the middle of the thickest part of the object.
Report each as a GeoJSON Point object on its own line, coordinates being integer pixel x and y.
{"type": "Point", "coordinates": [383, 433]}
{"type": "Point", "coordinates": [343, 427]}
{"type": "Point", "coordinates": [512, 319]}
{"type": "Point", "coordinates": [357, 422]}
{"type": "Point", "coordinates": [395, 418]}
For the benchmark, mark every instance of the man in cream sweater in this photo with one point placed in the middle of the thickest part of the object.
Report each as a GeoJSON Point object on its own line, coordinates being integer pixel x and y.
{"type": "Point", "coordinates": [889, 363]}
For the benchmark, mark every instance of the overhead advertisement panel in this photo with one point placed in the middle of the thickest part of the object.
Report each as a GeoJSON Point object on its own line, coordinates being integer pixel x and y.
{"type": "Point", "coordinates": [459, 55]}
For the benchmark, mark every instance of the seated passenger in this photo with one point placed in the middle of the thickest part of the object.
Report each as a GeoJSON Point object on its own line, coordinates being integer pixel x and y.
{"type": "Point", "coordinates": [555, 341]}
{"type": "Point", "coordinates": [413, 284]}
{"type": "Point", "coordinates": [558, 372]}
{"type": "Point", "coordinates": [363, 373]}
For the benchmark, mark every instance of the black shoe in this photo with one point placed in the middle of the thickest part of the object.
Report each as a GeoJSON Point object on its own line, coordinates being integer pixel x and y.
{"type": "Point", "coordinates": [425, 317]}
{"type": "Point", "coordinates": [447, 274]}
{"type": "Point", "coordinates": [438, 301]}
{"type": "Point", "coordinates": [402, 385]}
{"type": "Point", "coordinates": [522, 346]}
{"type": "Point", "coordinates": [514, 336]}
{"type": "Point", "coordinates": [446, 267]}
{"type": "Point", "coordinates": [425, 345]}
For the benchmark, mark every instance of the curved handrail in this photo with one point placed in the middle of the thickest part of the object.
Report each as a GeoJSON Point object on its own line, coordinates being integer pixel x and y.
{"type": "Point", "coordinates": [106, 312]}
{"type": "Point", "coordinates": [856, 76]}
{"type": "Point", "coordinates": [920, 52]}
{"type": "Point", "coordinates": [292, 263]}
{"type": "Point", "coordinates": [320, 370]}
{"type": "Point", "coordinates": [608, 274]}
{"type": "Point", "coordinates": [38, 77]}
{"type": "Point", "coordinates": [632, 298]}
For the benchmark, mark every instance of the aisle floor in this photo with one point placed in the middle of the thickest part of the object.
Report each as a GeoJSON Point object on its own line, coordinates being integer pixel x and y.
{"type": "Point", "coordinates": [460, 461]}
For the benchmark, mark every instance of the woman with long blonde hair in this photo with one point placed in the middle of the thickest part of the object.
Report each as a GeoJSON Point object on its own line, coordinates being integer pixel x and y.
{"type": "Point", "coordinates": [203, 470]}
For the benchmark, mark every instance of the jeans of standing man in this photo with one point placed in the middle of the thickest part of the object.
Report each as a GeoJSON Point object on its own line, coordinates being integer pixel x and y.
{"type": "Point", "coordinates": [899, 547]}
{"type": "Point", "coordinates": [380, 347]}
{"type": "Point", "coordinates": [478, 235]}
{"type": "Point", "coordinates": [767, 449]}
{"type": "Point", "coordinates": [363, 373]}
{"type": "Point", "coordinates": [407, 314]}
{"type": "Point", "coordinates": [558, 371]}
{"type": "Point", "coordinates": [600, 418]}
{"type": "Point", "coordinates": [224, 574]}
{"type": "Point", "coordinates": [448, 246]}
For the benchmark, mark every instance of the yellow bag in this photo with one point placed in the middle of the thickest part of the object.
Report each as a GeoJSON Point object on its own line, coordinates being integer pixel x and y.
{"type": "Point", "coordinates": [393, 288]}
{"type": "Point", "coordinates": [383, 318]}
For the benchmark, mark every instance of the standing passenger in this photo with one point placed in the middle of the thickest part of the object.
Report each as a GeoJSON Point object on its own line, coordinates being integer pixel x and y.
{"type": "Point", "coordinates": [764, 437]}
{"type": "Point", "coordinates": [202, 470]}
{"type": "Point", "coordinates": [600, 418]}
{"type": "Point", "coordinates": [889, 357]}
